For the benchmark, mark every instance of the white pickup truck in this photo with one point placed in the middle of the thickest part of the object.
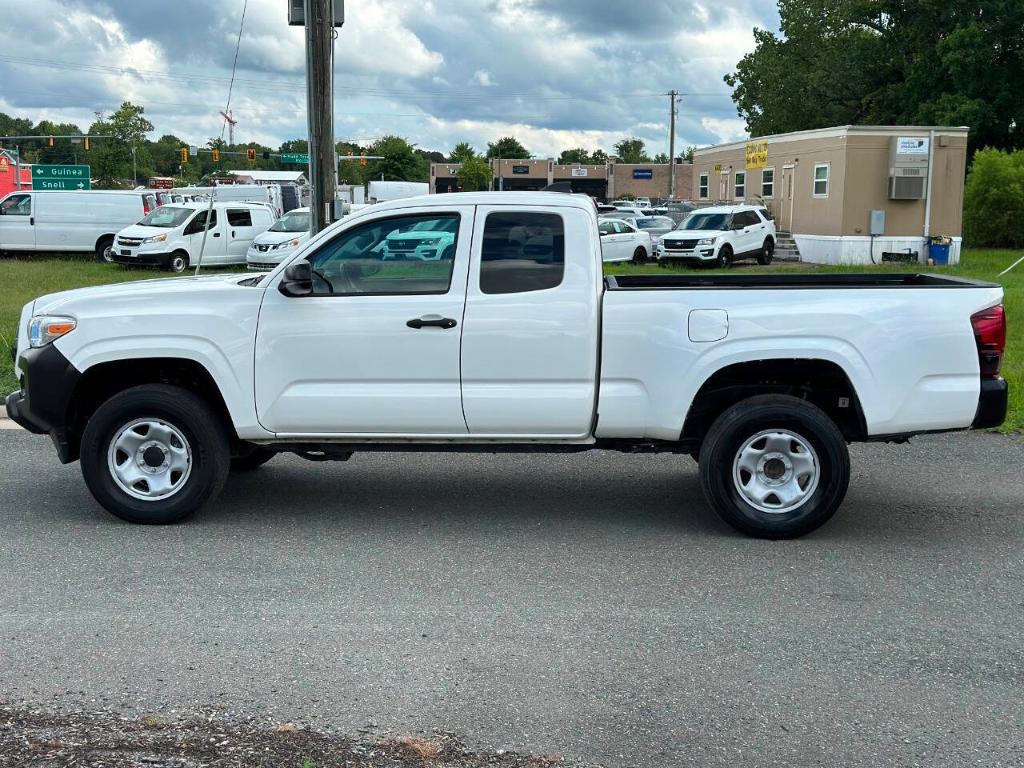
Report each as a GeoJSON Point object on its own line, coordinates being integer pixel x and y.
{"type": "Point", "coordinates": [517, 343]}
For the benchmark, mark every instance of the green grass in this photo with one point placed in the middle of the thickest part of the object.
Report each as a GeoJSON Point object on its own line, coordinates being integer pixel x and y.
{"type": "Point", "coordinates": [21, 280]}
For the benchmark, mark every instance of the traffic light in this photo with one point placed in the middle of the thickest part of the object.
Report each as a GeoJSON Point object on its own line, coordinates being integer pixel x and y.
{"type": "Point", "coordinates": [250, 154]}
{"type": "Point", "coordinates": [184, 155]}
{"type": "Point", "coordinates": [86, 144]}
{"type": "Point", "coordinates": [50, 142]}
{"type": "Point", "coordinates": [216, 155]}
{"type": "Point", "coordinates": [266, 155]}
{"type": "Point", "coordinates": [362, 161]}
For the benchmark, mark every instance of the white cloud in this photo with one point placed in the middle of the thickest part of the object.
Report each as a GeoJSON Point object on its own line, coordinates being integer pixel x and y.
{"type": "Point", "coordinates": [483, 78]}
{"type": "Point", "coordinates": [725, 130]}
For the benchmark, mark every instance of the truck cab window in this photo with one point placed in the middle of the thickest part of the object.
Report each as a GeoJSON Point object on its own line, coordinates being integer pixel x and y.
{"type": "Point", "coordinates": [404, 255]}
{"type": "Point", "coordinates": [239, 217]}
{"type": "Point", "coordinates": [196, 225]}
{"type": "Point", "coordinates": [17, 205]}
{"type": "Point", "coordinates": [522, 251]}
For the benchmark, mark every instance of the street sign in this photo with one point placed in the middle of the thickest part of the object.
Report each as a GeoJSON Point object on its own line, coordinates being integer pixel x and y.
{"type": "Point", "coordinates": [296, 158]}
{"type": "Point", "coordinates": [61, 177]}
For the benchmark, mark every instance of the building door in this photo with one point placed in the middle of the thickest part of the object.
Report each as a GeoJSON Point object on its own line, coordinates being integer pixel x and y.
{"type": "Point", "coordinates": [784, 214]}
{"type": "Point", "coordinates": [723, 186]}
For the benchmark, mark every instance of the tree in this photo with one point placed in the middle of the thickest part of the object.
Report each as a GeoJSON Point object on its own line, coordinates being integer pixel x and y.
{"type": "Point", "coordinates": [475, 174]}
{"type": "Point", "coordinates": [631, 151]}
{"type": "Point", "coordinates": [462, 152]}
{"type": "Point", "coordinates": [598, 157]}
{"type": "Point", "coordinates": [400, 163]}
{"type": "Point", "coordinates": [839, 62]}
{"type": "Point", "coordinates": [126, 129]}
{"type": "Point", "coordinates": [507, 147]}
{"type": "Point", "coordinates": [994, 200]}
{"type": "Point", "coordinates": [577, 155]}
{"type": "Point", "coordinates": [661, 158]}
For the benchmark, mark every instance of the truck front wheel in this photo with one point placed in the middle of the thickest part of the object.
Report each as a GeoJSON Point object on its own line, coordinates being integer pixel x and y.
{"type": "Point", "coordinates": [154, 454]}
{"type": "Point", "coordinates": [774, 467]}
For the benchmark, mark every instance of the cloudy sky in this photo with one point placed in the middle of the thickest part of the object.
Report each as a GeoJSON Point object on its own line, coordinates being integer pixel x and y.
{"type": "Point", "coordinates": [554, 73]}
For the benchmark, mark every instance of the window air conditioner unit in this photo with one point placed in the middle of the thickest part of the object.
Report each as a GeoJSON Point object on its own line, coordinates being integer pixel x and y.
{"type": "Point", "coordinates": [908, 168]}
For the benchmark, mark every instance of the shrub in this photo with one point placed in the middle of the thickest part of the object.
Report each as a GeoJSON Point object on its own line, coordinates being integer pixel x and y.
{"type": "Point", "coordinates": [994, 200]}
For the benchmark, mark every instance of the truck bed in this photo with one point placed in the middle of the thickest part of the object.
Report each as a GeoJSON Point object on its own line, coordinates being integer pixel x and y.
{"type": "Point", "coordinates": [786, 281]}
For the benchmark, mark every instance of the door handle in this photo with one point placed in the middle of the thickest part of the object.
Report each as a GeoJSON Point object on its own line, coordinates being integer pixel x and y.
{"type": "Point", "coordinates": [431, 321]}
{"type": "Point", "coordinates": [216, 234]}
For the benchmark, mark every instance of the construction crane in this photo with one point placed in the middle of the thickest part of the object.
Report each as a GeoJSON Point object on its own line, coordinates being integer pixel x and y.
{"type": "Point", "coordinates": [231, 126]}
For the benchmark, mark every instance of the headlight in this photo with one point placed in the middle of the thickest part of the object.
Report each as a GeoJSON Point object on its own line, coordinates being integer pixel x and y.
{"type": "Point", "coordinates": [430, 243]}
{"type": "Point", "coordinates": [707, 241]}
{"type": "Point", "coordinates": [287, 244]}
{"type": "Point", "coordinates": [46, 328]}
{"type": "Point", "coordinates": [155, 239]}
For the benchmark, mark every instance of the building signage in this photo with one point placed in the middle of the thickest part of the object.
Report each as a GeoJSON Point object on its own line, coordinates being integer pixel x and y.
{"type": "Point", "coordinates": [912, 145]}
{"type": "Point", "coordinates": [643, 173]}
{"type": "Point", "coordinates": [61, 177]}
{"type": "Point", "coordinates": [756, 155]}
{"type": "Point", "coordinates": [579, 171]}
{"type": "Point", "coordinates": [523, 170]}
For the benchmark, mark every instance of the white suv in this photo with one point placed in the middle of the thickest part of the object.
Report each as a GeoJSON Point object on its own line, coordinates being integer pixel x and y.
{"type": "Point", "coordinates": [718, 236]}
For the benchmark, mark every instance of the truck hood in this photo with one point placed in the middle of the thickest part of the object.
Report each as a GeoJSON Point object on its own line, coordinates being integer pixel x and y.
{"type": "Point", "coordinates": [137, 230]}
{"type": "Point", "coordinates": [140, 293]}
{"type": "Point", "coordinates": [692, 234]}
{"type": "Point", "coordinates": [273, 238]}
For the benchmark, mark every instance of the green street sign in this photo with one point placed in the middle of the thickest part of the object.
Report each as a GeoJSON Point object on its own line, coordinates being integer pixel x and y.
{"type": "Point", "coordinates": [296, 158]}
{"type": "Point", "coordinates": [61, 177]}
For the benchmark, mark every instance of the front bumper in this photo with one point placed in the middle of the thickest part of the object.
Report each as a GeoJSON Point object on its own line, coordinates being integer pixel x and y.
{"type": "Point", "coordinates": [42, 405]}
{"type": "Point", "coordinates": [992, 403]}
{"type": "Point", "coordinates": [142, 258]}
{"type": "Point", "coordinates": [701, 254]}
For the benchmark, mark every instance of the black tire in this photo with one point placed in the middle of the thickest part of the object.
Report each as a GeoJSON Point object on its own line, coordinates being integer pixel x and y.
{"type": "Point", "coordinates": [724, 260]}
{"type": "Point", "coordinates": [254, 459]}
{"type": "Point", "coordinates": [191, 417]}
{"type": "Point", "coordinates": [766, 413]}
{"type": "Point", "coordinates": [178, 262]}
{"type": "Point", "coordinates": [764, 257]}
{"type": "Point", "coordinates": [640, 255]}
{"type": "Point", "coordinates": [103, 249]}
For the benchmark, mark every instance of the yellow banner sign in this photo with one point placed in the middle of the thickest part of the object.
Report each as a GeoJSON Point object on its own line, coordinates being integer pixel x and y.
{"type": "Point", "coordinates": [756, 155]}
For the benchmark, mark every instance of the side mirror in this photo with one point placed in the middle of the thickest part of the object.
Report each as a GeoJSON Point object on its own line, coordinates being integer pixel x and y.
{"type": "Point", "coordinates": [297, 280]}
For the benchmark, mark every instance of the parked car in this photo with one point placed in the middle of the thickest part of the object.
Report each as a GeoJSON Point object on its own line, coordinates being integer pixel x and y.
{"type": "Point", "coordinates": [73, 221]}
{"type": "Point", "coordinates": [655, 226]}
{"type": "Point", "coordinates": [621, 241]}
{"type": "Point", "coordinates": [160, 387]}
{"type": "Point", "coordinates": [426, 240]}
{"type": "Point", "coordinates": [677, 211]}
{"type": "Point", "coordinates": [720, 235]}
{"type": "Point", "coordinates": [631, 218]}
{"type": "Point", "coordinates": [284, 236]}
{"type": "Point", "coordinates": [172, 236]}
{"type": "Point", "coordinates": [642, 202]}
{"type": "Point", "coordinates": [633, 209]}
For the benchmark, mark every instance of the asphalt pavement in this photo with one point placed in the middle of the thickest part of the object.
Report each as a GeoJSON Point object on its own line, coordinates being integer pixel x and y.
{"type": "Point", "coordinates": [588, 605]}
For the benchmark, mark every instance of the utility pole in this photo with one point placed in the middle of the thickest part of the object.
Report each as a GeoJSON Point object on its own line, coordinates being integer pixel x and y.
{"type": "Point", "coordinates": [673, 95]}
{"type": "Point", "coordinates": [323, 171]}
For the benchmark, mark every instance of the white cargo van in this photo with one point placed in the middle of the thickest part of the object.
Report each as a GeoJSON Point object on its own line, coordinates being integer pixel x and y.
{"type": "Point", "coordinates": [172, 236]}
{"type": "Point", "coordinates": [81, 221]}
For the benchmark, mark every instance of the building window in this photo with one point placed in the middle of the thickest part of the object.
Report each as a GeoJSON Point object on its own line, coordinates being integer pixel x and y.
{"type": "Point", "coordinates": [821, 171]}
{"type": "Point", "coordinates": [741, 185]}
{"type": "Point", "coordinates": [768, 182]}
{"type": "Point", "coordinates": [702, 187]}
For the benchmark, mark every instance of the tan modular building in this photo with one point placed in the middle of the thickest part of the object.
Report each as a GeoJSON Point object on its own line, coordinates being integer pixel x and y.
{"type": "Point", "coordinates": [604, 182]}
{"type": "Point", "coordinates": [847, 194]}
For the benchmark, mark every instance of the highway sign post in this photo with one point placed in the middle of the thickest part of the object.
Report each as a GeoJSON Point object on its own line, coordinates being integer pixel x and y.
{"type": "Point", "coordinates": [295, 158]}
{"type": "Point", "coordinates": [61, 177]}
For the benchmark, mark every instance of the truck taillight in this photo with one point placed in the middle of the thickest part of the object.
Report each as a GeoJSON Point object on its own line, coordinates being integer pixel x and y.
{"type": "Point", "coordinates": [990, 336]}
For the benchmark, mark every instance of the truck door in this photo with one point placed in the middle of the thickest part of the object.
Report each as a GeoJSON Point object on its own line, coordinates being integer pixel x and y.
{"type": "Point", "coordinates": [530, 332]}
{"type": "Point", "coordinates": [213, 250]}
{"type": "Point", "coordinates": [375, 349]}
{"type": "Point", "coordinates": [17, 223]}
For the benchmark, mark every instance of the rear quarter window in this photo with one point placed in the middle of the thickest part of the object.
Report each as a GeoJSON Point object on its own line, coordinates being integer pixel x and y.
{"type": "Point", "coordinates": [522, 251]}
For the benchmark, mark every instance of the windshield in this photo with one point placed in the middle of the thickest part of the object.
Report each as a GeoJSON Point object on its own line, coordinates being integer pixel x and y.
{"type": "Point", "coordinates": [652, 223]}
{"type": "Point", "coordinates": [167, 217]}
{"type": "Point", "coordinates": [706, 221]}
{"type": "Point", "coordinates": [295, 221]}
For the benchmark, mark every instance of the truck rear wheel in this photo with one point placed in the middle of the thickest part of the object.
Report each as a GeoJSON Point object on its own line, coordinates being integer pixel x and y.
{"type": "Point", "coordinates": [774, 467]}
{"type": "Point", "coordinates": [154, 454]}
{"type": "Point", "coordinates": [178, 262]}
